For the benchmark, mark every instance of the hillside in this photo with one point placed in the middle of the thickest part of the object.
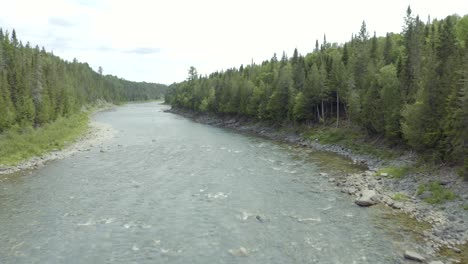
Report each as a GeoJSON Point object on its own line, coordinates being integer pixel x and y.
{"type": "Point", "coordinates": [407, 88]}
{"type": "Point", "coordinates": [37, 87]}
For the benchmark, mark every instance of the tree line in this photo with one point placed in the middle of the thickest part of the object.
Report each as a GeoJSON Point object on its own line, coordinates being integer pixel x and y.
{"type": "Point", "coordinates": [409, 87]}
{"type": "Point", "coordinates": [37, 87]}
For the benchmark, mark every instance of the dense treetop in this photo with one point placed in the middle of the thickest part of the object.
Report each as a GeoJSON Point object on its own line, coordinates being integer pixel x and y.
{"type": "Point", "coordinates": [37, 87]}
{"type": "Point", "coordinates": [408, 87]}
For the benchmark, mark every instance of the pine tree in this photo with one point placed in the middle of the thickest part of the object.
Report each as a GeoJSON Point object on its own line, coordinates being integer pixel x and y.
{"type": "Point", "coordinates": [374, 48]}
{"type": "Point", "coordinates": [411, 67]}
{"type": "Point", "coordinates": [7, 114]}
{"type": "Point", "coordinates": [388, 50]}
{"type": "Point", "coordinates": [345, 56]}
{"type": "Point", "coordinates": [391, 101]}
{"type": "Point", "coordinates": [278, 104]}
{"type": "Point", "coordinates": [25, 104]}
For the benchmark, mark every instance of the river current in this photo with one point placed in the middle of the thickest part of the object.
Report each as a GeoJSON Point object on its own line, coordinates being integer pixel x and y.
{"type": "Point", "coordinates": [168, 190]}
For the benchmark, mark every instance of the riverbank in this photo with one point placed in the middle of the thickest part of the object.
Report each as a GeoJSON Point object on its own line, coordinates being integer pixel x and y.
{"type": "Point", "coordinates": [412, 192]}
{"type": "Point", "coordinates": [59, 140]}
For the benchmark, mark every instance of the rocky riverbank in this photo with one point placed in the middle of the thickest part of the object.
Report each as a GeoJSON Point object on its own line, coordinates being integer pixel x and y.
{"type": "Point", "coordinates": [96, 134]}
{"type": "Point", "coordinates": [449, 220]}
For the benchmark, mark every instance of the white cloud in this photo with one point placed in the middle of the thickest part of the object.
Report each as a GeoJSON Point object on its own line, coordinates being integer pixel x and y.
{"type": "Point", "coordinates": [159, 40]}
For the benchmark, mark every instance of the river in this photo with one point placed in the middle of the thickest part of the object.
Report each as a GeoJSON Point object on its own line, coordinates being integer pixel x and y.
{"type": "Point", "coordinates": [168, 190]}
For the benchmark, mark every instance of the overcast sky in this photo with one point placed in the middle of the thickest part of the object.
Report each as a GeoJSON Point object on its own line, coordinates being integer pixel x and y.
{"type": "Point", "coordinates": [157, 41]}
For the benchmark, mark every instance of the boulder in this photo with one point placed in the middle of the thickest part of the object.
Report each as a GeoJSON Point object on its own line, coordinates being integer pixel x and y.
{"type": "Point", "coordinates": [397, 205]}
{"type": "Point", "coordinates": [367, 198]}
{"type": "Point", "coordinates": [413, 256]}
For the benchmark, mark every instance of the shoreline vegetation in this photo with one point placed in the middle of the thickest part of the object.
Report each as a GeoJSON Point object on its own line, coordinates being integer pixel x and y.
{"type": "Point", "coordinates": [45, 101]}
{"type": "Point", "coordinates": [406, 89]}
{"type": "Point", "coordinates": [434, 199]}
{"type": "Point", "coordinates": [397, 103]}
{"type": "Point", "coordinates": [28, 148]}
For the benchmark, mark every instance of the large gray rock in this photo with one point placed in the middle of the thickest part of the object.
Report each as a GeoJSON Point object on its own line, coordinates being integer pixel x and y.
{"type": "Point", "coordinates": [367, 198]}
{"type": "Point", "coordinates": [413, 256]}
{"type": "Point", "coordinates": [397, 205]}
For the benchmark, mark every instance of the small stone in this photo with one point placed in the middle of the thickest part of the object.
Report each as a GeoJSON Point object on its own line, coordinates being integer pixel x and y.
{"type": "Point", "coordinates": [260, 219]}
{"type": "Point", "coordinates": [436, 262]}
{"type": "Point", "coordinates": [456, 250]}
{"type": "Point", "coordinates": [102, 151]}
{"type": "Point", "coordinates": [384, 174]}
{"type": "Point", "coordinates": [367, 198]}
{"type": "Point", "coordinates": [323, 174]}
{"type": "Point", "coordinates": [413, 256]}
{"type": "Point", "coordinates": [445, 182]}
{"type": "Point", "coordinates": [241, 252]}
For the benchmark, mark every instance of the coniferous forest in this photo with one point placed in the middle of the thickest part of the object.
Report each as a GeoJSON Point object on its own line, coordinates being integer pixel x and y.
{"type": "Point", "coordinates": [409, 87]}
{"type": "Point", "coordinates": [37, 87]}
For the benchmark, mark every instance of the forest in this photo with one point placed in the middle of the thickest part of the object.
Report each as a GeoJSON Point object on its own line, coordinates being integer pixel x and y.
{"type": "Point", "coordinates": [409, 87]}
{"type": "Point", "coordinates": [37, 87]}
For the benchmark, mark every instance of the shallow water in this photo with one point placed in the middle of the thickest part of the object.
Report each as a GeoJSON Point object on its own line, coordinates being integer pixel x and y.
{"type": "Point", "coordinates": [168, 190]}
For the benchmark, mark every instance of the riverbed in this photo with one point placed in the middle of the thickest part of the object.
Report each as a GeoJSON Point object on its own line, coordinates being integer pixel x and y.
{"type": "Point", "coordinates": [167, 190]}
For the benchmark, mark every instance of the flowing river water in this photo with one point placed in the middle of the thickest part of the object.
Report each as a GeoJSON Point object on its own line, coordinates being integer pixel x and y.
{"type": "Point", "coordinates": [168, 190]}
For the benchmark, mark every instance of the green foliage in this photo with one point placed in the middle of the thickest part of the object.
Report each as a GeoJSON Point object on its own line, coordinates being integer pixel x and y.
{"type": "Point", "coordinates": [439, 194]}
{"type": "Point", "coordinates": [395, 172]}
{"type": "Point", "coordinates": [407, 88]}
{"type": "Point", "coordinates": [18, 144]}
{"type": "Point", "coordinates": [37, 87]}
{"type": "Point", "coordinates": [300, 107]}
{"type": "Point", "coordinates": [391, 101]}
{"type": "Point", "coordinates": [400, 197]}
{"type": "Point", "coordinates": [352, 139]}
{"type": "Point", "coordinates": [460, 256]}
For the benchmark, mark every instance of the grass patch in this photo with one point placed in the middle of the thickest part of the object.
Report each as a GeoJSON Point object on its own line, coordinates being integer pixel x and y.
{"type": "Point", "coordinates": [19, 144]}
{"type": "Point", "coordinates": [399, 225]}
{"type": "Point", "coordinates": [395, 172]}
{"type": "Point", "coordinates": [450, 254]}
{"type": "Point", "coordinates": [355, 140]}
{"type": "Point", "coordinates": [439, 194]}
{"type": "Point", "coordinates": [333, 162]}
{"type": "Point", "coordinates": [400, 197]}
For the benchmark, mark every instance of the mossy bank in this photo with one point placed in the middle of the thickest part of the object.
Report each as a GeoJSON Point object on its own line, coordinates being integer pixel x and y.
{"type": "Point", "coordinates": [28, 148]}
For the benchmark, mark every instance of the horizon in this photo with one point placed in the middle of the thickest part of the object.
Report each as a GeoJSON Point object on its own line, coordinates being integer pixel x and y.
{"type": "Point", "coordinates": [95, 33]}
